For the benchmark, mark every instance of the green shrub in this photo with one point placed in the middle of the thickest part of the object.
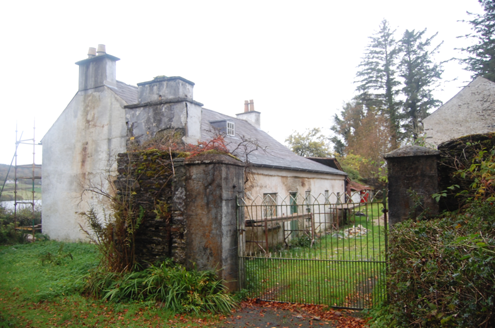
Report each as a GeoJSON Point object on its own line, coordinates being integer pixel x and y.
{"type": "Point", "coordinates": [442, 271]}
{"type": "Point", "coordinates": [8, 234]}
{"type": "Point", "coordinates": [170, 284]}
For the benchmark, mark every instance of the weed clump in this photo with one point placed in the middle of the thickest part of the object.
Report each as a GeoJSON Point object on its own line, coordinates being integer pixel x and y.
{"type": "Point", "coordinates": [169, 285]}
{"type": "Point", "coordinates": [56, 259]}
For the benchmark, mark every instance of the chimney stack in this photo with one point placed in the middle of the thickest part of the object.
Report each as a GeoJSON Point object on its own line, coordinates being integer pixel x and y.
{"type": "Point", "coordinates": [91, 52]}
{"type": "Point", "coordinates": [98, 69]}
{"type": "Point", "coordinates": [101, 50]}
{"type": "Point", "coordinates": [166, 102]}
{"type": "Point", "coordinates": [250, 114]}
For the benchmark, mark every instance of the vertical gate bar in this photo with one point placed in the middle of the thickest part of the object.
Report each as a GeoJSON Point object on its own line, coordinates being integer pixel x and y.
{"type": "Point", "coordinates": [385, 225]}
{"type": "Point", "coordinates": [34, 161]}
{"type": "Point", "coordinates": [266, 234]}
{"type": "Point", "coordinates": [239, 242]}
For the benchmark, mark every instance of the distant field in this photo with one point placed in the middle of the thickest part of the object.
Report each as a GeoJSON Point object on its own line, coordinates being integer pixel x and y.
{"type": "Point", "coordinates": [24, 187]}
{"type": "Point", "coordinates": [23, 190]}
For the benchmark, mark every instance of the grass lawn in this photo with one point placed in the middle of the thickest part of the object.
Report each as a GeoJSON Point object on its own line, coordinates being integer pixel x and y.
{"type": "Point", "coordinates": [340, 272]}
{"type": "Point", "coordinates": [36, 295]}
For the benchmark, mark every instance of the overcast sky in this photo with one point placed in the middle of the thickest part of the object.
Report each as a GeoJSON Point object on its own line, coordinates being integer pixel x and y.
{"type": "Point", "coordinates": [296, 59]}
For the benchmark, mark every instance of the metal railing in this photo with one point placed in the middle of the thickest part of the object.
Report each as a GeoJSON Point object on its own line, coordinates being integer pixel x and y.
{"type": "Point", "coordinates": [315, 250]}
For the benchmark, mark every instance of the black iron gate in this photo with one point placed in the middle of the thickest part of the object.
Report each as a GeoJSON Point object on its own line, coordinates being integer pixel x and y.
{"type": "Point", "coordinates": [314, 250]}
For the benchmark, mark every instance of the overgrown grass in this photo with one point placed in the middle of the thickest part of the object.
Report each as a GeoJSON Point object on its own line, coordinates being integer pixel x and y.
{"type": "Point", "coordinates": [21, 266]}
{"type": "Point", "coordinates": [37, 295]}
{"type": "Point", "coordinates": [337, 271]}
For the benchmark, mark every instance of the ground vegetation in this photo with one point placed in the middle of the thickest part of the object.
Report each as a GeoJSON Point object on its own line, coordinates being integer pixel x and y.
{"type": "Point", "coordinates": [442, 270]}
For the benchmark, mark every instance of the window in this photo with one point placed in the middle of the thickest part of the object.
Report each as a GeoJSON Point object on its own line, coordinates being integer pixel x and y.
{"type": "Point", "coordinates": [307, 200]}
{"type": "Point", "coordinates": [230, 129]}
{"type": "Point", "coordinates": [224, 127]}
{"type": "Point", "coordinates": [269, 205]}
{"type": "Point", "coordinates": [294, 226]}
{"type": "Point", "coordinates": [293, 202]}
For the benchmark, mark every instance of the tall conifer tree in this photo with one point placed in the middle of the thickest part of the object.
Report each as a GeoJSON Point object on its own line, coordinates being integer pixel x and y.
{"type": "Point", "coordinates": [481, 60]}
{"type": "Point", "coordinates": [420, 76]}
{"type": "Point", "coordinates": [377, 82]}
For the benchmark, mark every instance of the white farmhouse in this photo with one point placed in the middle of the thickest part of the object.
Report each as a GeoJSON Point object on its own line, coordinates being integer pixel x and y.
{"type": "Point", "coordinates": [81, 146]}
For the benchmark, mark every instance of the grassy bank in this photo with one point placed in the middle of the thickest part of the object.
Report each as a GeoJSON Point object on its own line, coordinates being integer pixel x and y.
{"type": "Point", "coordinates": [37, 295]}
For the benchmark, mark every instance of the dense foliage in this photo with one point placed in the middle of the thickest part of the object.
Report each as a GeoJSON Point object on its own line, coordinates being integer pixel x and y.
{"type": "Point", "coordinates": [442, 271]}
{"type": "Point", "coordinates": [24, 217]}
{"type": "Point", "coordinates": [309, 144]}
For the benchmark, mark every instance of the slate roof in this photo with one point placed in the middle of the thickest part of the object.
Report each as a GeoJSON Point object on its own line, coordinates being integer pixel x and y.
{"type": "Point", "coordinates": [127, 92]}
{"type": "Point", "coordinates": [270, 152]}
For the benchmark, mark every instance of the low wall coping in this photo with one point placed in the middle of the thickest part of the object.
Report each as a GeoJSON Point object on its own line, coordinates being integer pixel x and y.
{"type": "Point", "coordinates": [412, 151]}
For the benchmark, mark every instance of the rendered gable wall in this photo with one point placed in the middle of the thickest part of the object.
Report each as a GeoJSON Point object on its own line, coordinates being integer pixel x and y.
{"type": "Point", "coordinates": [79, 149]}
{"type": "Point", "coordinates": [471, 111]}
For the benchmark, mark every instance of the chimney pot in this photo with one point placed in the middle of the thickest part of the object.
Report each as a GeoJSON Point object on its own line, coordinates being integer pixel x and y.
{"type": "Point", "coordinates": [251, 105]}
{"type": "Point", "coordinates": [91, 52]}
{"type": "Point", "coordinates": [246, 106]}
{"type": "Point", "coordinates": [101, 50]}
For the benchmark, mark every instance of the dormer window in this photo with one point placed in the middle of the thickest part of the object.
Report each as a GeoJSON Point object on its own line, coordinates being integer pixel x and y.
{"type": "Point", "coordinates": [230, 129]}
{"type": "Point", "coordinates": [224, 127]}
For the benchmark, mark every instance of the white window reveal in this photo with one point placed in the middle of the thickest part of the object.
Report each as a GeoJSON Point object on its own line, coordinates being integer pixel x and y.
{"type": "Point", "coordinates": [230, 128]}
{"type": "Point", "coordinates": [270, 205]}
{"type": "Point", "coordinates": [223, 127]}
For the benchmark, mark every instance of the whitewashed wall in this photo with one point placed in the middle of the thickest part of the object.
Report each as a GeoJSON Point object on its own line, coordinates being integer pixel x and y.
{"type": "Point", "coordinates": [283, 182]}
{"type": "Point", "coordinates": [80, 148]}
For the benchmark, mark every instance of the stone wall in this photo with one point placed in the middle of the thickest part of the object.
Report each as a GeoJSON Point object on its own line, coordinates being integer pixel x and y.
{"type": "Point", "coordinates": [188, 208]}
{"type": "Point", "coordinates": [411, 169]}
{"type": "Point", "coordinates": [153, 181]}
{"type": "Point", "coordinates": [426, 171]}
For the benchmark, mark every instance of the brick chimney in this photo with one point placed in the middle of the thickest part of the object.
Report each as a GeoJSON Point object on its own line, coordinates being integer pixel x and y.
{"type": "Point", "coordinates": [98, 69]}
{"type": "Point", "coordinates": [250, 114]}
